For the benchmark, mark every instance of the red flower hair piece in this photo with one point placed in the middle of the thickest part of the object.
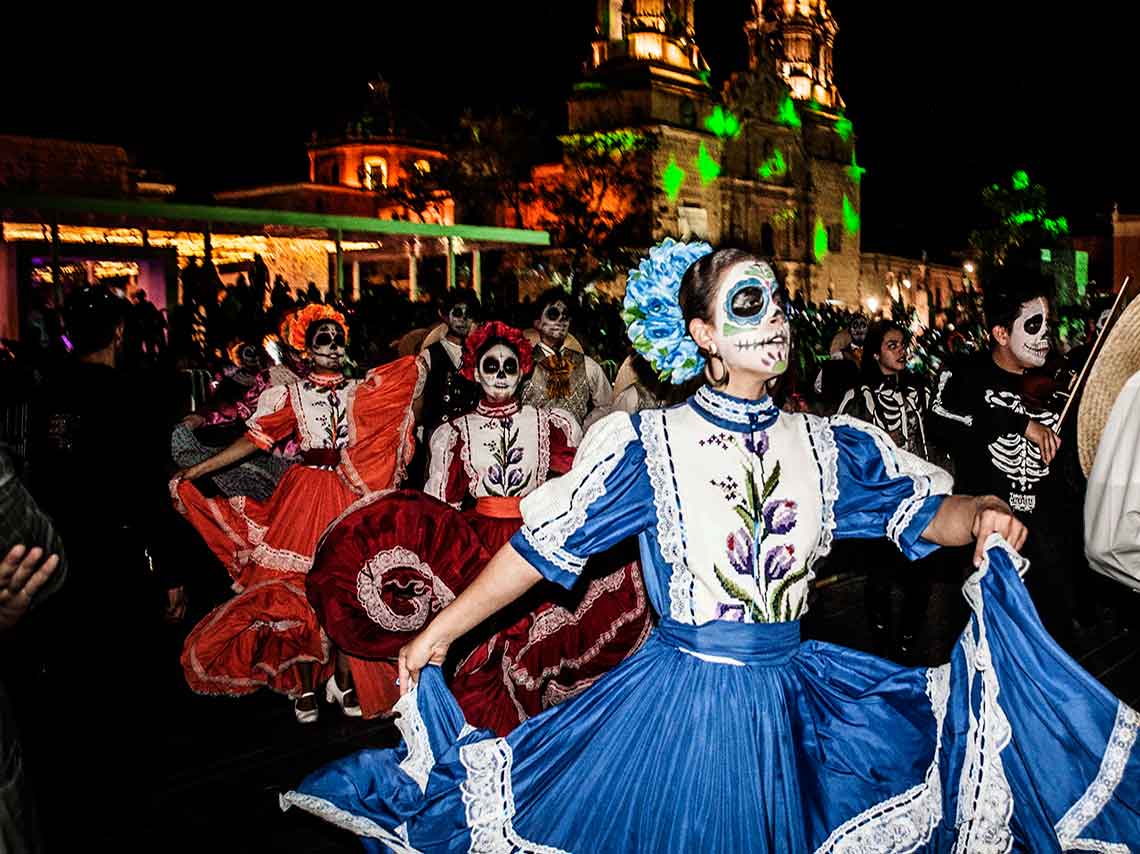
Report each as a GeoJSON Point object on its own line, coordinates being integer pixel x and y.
{"type": "Point", "coordinates": [512, 337]}
{"type": "Point", "coordinates": [297, 324]}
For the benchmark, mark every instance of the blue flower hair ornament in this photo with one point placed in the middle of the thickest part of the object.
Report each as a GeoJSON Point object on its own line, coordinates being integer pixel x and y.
{"type": "Point", "coordinates": [652, 312]}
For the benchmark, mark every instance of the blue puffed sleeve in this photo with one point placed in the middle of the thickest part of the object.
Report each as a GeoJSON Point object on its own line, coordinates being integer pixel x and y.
{"type": "Point", "coordinates": [884, 491]}
{"type": "Point", "coordinates": [603, 499]}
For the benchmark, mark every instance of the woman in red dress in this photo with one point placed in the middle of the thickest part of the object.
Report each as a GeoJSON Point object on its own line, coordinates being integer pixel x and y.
{"type": "Point", "coordinates": [355, 437]}
{"type": "Point", "coordinates": [384, 569]}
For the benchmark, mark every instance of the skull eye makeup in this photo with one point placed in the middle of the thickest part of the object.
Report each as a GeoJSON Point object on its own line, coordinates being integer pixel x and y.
{"type": "Point", "coordinates": [458, 312]}
{"type": "Point", "coordinates": [509, 366]}
{"type": "Point", "coordinates": [555, 313]}
{"type": "Point", "coordinates": [748, 301]}
{"type": "Point", "coordinates": [1033, 324]}
{"type": "Point", "coordinates": [327, 339]}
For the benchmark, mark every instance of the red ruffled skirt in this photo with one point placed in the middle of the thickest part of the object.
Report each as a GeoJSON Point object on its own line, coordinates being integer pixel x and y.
{"type": "Point", "coordinates": [256, 638]}
{"type": "Point", "coordinates": [386, 568]}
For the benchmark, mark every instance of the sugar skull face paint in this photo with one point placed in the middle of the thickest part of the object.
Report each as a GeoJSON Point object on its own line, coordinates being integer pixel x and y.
{"type": "Point", "coordinates": [460, 320]}
{"type": "Point", "coordinates": [327, 345]}
{"type": "Point", "coordinates": [554, 322]}
{"type": "Point", "coordinates": [498, 373]}
{"type": "Point", "coordinates": [1029, 337]}
{"type": "Point", "coordinates": [752, 333]}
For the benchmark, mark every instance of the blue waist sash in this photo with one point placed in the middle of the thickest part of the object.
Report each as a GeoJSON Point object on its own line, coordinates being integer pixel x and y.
{"type": "Point", "coordinates": [743, 643]}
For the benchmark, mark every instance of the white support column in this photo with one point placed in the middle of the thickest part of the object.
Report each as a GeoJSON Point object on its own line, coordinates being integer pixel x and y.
{"type": "Point", "coordinates": [413, 275]}
{"type": "Point", "coordinates": [477, 273]}
{"type": "Point", "coordinates": [355, 281]}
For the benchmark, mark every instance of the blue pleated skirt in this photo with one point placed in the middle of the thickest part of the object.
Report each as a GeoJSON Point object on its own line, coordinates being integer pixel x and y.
{"type": "Point", "coordinates": [733, 737]}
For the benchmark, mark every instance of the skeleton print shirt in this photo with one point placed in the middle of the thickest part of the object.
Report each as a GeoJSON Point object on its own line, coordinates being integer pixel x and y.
{"type": "Point", "coordinates": [896, 407]}
{"type": "Point", "coordinates": [983, 408]}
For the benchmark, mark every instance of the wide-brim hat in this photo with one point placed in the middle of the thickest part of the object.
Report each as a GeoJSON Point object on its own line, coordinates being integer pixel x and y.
{"type": "Point", "coordinates": [1119, 359]}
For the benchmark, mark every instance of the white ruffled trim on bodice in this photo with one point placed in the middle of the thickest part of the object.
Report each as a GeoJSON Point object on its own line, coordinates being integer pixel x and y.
{"type": "Point", "coordinates": [826, 452]}
{"type": "Point", "coordinates": [670, 525]}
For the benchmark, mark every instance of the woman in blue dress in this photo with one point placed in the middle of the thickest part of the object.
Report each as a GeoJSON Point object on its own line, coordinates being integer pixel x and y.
{"type": "Point", "coordinates": [725, 732]}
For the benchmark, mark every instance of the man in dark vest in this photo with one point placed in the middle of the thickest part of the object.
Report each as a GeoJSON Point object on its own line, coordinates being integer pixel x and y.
{"type": "Point", "coordinates": [446, 394]}
{"type": "Point", "coordinates": [562, 377]}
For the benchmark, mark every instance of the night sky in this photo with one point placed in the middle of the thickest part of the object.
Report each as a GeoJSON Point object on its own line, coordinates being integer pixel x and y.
{"type": "Point", "coordinates": [945, 97]}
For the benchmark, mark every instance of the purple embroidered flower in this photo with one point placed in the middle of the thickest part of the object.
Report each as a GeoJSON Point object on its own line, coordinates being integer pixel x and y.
{"type": "Point", "coordinates": [730, 613]}
{"type": "Point", "coordinates": [514, 478]}
{"type": "Point", "coordinates": [739, 544]}
{"type": "Point", "coordinates": [779, 516]}
{"type": "Point", "coordinates": [514, 456]}
{"type": "Point", "coordinates": [756, 443]}
{"type": "Point", "coordinates": [495, 475]}
{"type": "Point", "coordinates": [778, 561]}
{"type": "Point", "coordinates": [506, 423]}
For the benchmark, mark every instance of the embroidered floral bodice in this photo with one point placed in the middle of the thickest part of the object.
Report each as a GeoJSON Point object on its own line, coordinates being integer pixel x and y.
{"type": "Point", "coordinates": [733, 501]}
{"type": "Point", "coordinates": [316, 410]}
{"type": "Point", "coordinates": [500, 451]}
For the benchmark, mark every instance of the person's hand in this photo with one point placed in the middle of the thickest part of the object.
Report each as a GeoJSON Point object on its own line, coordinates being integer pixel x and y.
{"type": "Point", "coordinates": [417, 654]}
{"type": "Point", "coordinates": [189, 473]}
{"type": "Point", "coordinates": [175, 605]}
{"type": "Point", "coordinates": [193, 420]}
{"type": "Point", "coordinates": [1046, 440]}
{"type": "Point", "coordinates": [993, 516]}
{"type": "Point", "coordinates": [22, 574]}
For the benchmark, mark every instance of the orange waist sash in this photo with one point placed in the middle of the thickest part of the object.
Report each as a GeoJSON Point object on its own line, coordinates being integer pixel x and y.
{"type": "Point", "coordinates": [499, 507]}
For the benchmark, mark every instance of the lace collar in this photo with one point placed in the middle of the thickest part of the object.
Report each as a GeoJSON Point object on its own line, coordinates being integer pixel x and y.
{"type": "Point", "coordinates": [734, 413]}
{"type": "Point", "coordinates": [333, 382]}
{"type": "Point", "coordinates": [500, 410]}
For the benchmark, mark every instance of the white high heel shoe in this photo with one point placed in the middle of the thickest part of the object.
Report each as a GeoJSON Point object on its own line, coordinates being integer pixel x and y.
{"type": "Point", "coordinates": [333, 694]}
{"type": "Point", "coordinates": [306, 716]}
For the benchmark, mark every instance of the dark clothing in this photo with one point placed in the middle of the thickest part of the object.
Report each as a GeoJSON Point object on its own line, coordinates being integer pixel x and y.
{"type": "Point", "coordinates": [984, 411]}
{"type": "Point", "coordinates": [447, 395]}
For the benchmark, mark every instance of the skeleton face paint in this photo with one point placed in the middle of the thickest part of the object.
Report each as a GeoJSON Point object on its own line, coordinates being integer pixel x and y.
{"type": "Point", "coordinates": [1029, 337]}
{"type": "Point", "coordinates": [459, 320]}
{"type": "Point", "coordinates": [498, 373]}
{"type": "Point", "coordinates": [752, 334]}
{"type": "Point", "coordinates": [328, 346]}
{"type": "Point", "coordinates": [554, 322]}
{"type": "Point", "coordinates": [858, 329]}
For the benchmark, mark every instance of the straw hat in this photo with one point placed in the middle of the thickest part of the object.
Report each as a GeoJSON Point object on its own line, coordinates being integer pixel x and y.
{"type": "Point", "coordinates": [1117, 362]}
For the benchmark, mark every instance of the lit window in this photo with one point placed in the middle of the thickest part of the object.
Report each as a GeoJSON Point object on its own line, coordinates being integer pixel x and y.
{"type": "Point", "coordinates": [375, 172]}
{"type": "Point", "coordinates": [422, 166]}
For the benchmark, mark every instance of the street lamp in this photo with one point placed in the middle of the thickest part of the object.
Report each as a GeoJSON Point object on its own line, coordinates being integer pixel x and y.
{"type": "Point", "coordinates": [968, 267]}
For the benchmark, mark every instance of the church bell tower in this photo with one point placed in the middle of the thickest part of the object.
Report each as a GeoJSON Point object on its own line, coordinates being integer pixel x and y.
{"type": "Point", "coordinates": [798, 37]}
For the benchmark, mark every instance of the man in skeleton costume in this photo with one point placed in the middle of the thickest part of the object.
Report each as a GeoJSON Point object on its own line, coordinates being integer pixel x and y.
{"type": "Point", "coordinates": [1005, 442]}
{"type": "Point", "coordinates": [896, 401]}
{"type": "Point", "coordinates": [563, 378]}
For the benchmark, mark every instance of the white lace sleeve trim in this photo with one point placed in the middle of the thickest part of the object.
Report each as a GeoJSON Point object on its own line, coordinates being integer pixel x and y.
{"type": "Point", "coordinates": [1116, 755]}
{"type": "Point", "coordinates": [566, 422]}
{"type": "Point", "coordinates": [420, 759]}
{"type": "Point", "coordinates": [939, 408]}
{"type": "Point", "coordinates": [985, 800]}
{"type": "Point", "coordinates": [489, 802]}
{"type": "Point", "coordinates": [348, 821]}
{"type": "Point", "coordinates": [926, 478]}
{"type": "Point", "coordinates": [904, 823]}
{"type": "Point", "coordinates": [441, 456]}
{"type": "Point", "coordinates": [670, 524]}
{"type": "Point", "coordinates": [823, 446]}
{"type": "Point", "coordinates": [556, 510]}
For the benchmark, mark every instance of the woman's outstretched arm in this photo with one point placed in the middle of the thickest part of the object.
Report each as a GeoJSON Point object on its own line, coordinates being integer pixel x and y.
{"type": "Point", "coordinates": [507, 577]}
{"type": "Point", "coordinates": [241, 448]}
{"type": "Point", "coordinates": [967, 518]}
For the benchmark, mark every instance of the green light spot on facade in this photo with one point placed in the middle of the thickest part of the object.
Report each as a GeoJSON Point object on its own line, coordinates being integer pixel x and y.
{"type": "Point", "coordinates": [1022, 217]}
{"type": "Point", "coordinates": [1020, 180]}
{"type": "Point", "coordinates": [787, 114]}
{"type": "Point", "coordinates": [855, 171]}
{"type": "Point", "coordinates": [672, 177]}
{"type": "Point", "coordinates": [785, 216]}
{"type": "Point", "coordinates": [1046, 256]}
{"type": "Point", "coordinates": [707, 168]}
{"type": "Point", "coordinates": [774, 167]}
{"type": "Point", "coordinates": [844, 128]}
{"type": "Point", "coordinates": [723, 123]}
{"type": "Point", "coordinates": [615, 141]}
{"type": "Point", "coordinates": [1081, 271]}
{"type": "Point", "coordinates": [706, 76]}
{"type": "Point", "coordinates": [850, 216]}
{"type": "Point", "coordinates": [819, 241]}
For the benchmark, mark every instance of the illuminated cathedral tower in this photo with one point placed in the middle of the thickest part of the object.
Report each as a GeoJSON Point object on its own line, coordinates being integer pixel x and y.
{"type": "Point", "coordinates": [798, 36]}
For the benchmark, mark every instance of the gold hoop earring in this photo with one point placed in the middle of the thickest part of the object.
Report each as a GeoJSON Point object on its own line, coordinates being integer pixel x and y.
{"type": "Point", "coordinates": [714, 380]}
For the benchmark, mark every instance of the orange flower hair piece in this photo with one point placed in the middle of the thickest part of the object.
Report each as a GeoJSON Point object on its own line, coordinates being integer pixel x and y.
{"type": "Point", "coordinates": [513, 338]}
{"type": "Point", "coordinates": [297, 324]}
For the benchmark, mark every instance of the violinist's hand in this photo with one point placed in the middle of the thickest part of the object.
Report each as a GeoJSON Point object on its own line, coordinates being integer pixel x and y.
{"type": "Point", "coordinates": [1047, 442]}
{"type": "Point", "coordinates": [992, 515]}
{"type": "Point", "coordinates": [422, 650]}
